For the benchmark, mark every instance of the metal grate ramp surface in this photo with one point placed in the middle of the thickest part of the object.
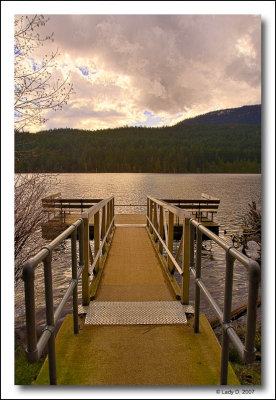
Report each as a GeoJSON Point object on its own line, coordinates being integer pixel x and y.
{"type": "Point", "coordinates": [136, 313]}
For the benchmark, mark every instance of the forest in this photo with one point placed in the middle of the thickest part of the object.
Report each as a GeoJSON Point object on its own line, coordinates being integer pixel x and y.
{"type": "Point", "coordinates": [175, 149]}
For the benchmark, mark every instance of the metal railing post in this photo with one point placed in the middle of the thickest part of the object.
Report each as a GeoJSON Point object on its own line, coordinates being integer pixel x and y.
{"type": "Point", "coordinates": [113, 210]}
{"type": "Point", "coordinates": [161, 228]}
{"type": "Point", "coordinates": [103, 230]}
{"type": "Point", "coordinates": [170, 240]}
{"type": "Point", "coordinates": [110, 212]}
{"type": "Point", "coordinates": [186, 262]}
{"type": "Point", "coordinates": [192, 238]}
{"type": "Point", "coordinates": [148, 212]}
{"type": "Point", "coordinates": [28, 277]}
{"type": "Point", "coordinates": [85, 274]}
{"type": "Point", "coordinates": [96, 237]}
{"type": "Point", "coordinates": [150, 215]}
{"type": "Point", "coordinates": [81, 247]}
{"type": "Point", "coordinates": [75, 278]}
{"type": "Point", "coordinates": [50, 317]}
{"type": "Point", "coordinates": [108, 218]}
{"type": "Point", "coordinates": [254, 279]}
{"type": "Point", "coordinates": [226, 317]}
{"type": "Point", "coordinates": [155, 220]}
{"type": "Point", "coordinates": [198, 276]}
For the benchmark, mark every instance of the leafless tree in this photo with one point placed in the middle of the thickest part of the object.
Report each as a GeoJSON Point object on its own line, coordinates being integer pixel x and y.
{"type": "Point", "coordinates": [36, 89]}
{"type": "Point", "coordinates": [36, 86]}
{"type": "Point", "coordinates": [29, 215]}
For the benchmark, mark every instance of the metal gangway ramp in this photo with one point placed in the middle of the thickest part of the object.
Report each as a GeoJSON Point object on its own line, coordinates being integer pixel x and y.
{"type": "Point", "coordinates": [135, 325]}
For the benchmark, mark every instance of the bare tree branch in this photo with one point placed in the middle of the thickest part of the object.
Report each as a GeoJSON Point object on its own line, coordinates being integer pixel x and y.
{"type": "Point", "coordinates": [29, 214]}
{"type": "Point", "coordinates": [36, 88]}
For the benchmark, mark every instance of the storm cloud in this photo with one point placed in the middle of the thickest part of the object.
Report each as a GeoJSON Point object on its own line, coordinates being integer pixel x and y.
{"type": "Point", "coordinates": [125, 66]}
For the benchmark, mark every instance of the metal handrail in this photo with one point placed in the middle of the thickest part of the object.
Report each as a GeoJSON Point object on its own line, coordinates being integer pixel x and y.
{"type": "Point", "coordinates": [34, 347]}
{"type": "Point", "coordinates": [102, 225]}
{"type": "Point", "coordinates": [190, 226]}
{"type": "Point", "coordinates": [80, 227]}
{"type": "Point", "coordinates": [166, 248]}
{"type": "Point", "coordinates": [95, 208]}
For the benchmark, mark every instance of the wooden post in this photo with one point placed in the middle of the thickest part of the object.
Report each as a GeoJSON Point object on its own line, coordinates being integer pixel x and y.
{"type": "Point", "coordinates": [170, 240]}
{"type": "Point", "coordinates": [97, 237]}
{"type": "Point", "coordinates": [186, 262]}
{"type": "Point", "coordinates": [161, 228]}
{"type": "Point", "coordinates": [85, 273]}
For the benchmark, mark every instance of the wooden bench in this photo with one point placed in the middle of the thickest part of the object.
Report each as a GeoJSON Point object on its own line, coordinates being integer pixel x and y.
{"type": "Point", "coordinates": [206, 206]}
{"type": "Point", "coordinates": [54, 203]}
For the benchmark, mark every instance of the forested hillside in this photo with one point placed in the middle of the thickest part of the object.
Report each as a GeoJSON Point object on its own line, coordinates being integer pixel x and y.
{"type": "Point", "coordinates": [177, 149]}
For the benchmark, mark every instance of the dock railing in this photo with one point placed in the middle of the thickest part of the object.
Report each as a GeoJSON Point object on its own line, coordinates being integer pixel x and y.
{"type": "Point", "coordinates": [103, 213]}
{"type": "Point", "coordinates": [160, 222]}
{"type": "Point", "coordinates": [161, 228]}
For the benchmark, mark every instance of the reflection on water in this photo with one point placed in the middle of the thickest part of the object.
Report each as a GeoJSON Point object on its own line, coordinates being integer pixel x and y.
{"type": "Point", "coordinates": [235, 192]}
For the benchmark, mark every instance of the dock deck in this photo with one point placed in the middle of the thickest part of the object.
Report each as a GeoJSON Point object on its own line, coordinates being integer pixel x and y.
{"type": "Point", "coordinates": [147, 353]}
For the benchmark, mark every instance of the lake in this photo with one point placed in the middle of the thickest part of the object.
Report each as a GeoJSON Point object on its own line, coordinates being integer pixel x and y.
{"type": "Point", "coordinates": [235, 191]}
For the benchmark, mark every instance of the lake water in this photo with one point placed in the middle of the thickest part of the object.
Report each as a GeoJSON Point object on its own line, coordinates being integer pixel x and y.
{"type": "Point", "coordinates": [235, 191]}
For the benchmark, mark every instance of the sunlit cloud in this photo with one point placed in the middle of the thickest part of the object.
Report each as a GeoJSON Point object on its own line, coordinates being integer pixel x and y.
{"type": "Point", "coordinates": [245, 47]}
{"type": "Point", "coordinates": [153, 70]}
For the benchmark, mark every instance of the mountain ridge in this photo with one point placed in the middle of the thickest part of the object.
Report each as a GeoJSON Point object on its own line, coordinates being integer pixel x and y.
{"type": "Point", "coordinates": [250, 115]}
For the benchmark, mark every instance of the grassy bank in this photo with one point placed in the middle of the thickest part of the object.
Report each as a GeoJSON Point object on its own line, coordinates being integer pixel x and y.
{"type": "Point", "coordinates": [248, 374]}
{"type": "Point", "coordinates": [25, 373]}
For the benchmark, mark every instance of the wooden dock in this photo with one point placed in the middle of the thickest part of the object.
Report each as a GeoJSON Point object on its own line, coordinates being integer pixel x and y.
{"type": "Point", "coordinates": [147, 353]}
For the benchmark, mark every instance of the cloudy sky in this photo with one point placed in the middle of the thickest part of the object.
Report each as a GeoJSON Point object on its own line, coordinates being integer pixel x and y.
{"type": "Point", "coordinates": [153, 70]}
